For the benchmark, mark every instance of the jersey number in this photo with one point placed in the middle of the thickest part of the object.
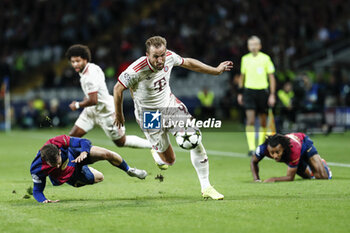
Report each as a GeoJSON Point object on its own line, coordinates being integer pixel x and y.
{"type": "Point", "coordinates": [160, 84]}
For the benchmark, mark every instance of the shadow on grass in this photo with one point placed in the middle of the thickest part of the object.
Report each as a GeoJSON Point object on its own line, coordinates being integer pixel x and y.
{"type": "Point", "coordinates": [138, 201]}
{"type": "Point", "coordinates": [297, 180]}
{"type": "Point", "coordinates": [164, 201]}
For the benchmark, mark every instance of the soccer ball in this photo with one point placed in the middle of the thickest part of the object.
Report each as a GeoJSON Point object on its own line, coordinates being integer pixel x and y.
{"type": "Point", "coordinates": [188, 138]}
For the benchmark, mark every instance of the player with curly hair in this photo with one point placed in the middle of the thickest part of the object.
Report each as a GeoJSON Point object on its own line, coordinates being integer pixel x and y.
{"type": "Point", "coordinates": [297, 151]}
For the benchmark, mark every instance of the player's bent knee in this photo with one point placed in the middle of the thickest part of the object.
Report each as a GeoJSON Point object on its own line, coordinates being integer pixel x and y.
{"type": "Point", "coordinates": [99, 177]}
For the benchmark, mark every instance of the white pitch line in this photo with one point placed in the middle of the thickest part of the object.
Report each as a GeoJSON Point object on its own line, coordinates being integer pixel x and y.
{"type": "Point", "coordinates": [241, 155]}
{"type": "Point", "coordinates": [338, 164]}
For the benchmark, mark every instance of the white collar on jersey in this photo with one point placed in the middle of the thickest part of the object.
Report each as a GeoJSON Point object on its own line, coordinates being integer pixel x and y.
{"type": "Point", "coordinates": [149, 65]}
{"type": "Point", "coordinates": [85, 68]}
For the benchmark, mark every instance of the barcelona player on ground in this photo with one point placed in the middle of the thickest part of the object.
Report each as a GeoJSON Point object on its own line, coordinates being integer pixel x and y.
{"type": "Point", "coordinates": [297, 151]}
{"type": "Point", "coordinates": [64, 159]}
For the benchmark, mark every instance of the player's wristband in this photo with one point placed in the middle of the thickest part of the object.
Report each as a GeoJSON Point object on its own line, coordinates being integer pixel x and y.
{"type": "Point", "coordinates": [240, 90]}
{"type": "Point", "coordinates": [77, 105]}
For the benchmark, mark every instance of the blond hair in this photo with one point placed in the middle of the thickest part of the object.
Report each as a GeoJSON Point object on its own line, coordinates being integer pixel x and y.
{"type": "Point", "coordinates": [155, 41]}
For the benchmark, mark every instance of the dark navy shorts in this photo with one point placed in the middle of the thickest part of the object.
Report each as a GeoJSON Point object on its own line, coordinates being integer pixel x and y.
{"type": "Point", "coordinates": [308, 149]}
{"type": "Point", "coordinates": [82, 175]}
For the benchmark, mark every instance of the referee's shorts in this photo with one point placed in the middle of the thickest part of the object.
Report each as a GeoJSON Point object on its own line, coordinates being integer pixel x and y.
{"type": "Point", "coordinates": [256, 100]}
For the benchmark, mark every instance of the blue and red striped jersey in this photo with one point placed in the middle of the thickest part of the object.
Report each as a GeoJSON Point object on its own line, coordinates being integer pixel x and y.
{"type": "Point", "coordinates": [70, 148]}
{"type": "Point", "coordinates": [296, 143]}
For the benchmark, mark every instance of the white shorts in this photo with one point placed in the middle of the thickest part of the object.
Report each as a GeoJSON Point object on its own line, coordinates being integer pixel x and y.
{"type": "Point", "coordinates": [88, 118]}
{"type": "Point", "coordinates": [159, 139]}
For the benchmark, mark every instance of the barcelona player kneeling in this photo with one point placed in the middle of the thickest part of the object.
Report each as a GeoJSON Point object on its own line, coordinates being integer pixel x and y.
{"type": "Point", "coordinates": [297, 151]}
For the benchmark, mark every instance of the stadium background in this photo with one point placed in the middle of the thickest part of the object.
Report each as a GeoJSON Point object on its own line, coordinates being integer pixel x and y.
{"type": "Point", "coordinates": [309, 44]}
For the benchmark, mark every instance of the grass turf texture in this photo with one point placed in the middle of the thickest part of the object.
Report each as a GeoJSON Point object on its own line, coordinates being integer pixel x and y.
{"type": "Point", "coordinates": [124, 204]}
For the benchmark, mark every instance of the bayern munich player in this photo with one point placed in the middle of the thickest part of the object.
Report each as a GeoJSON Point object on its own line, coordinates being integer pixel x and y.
{"type": "Point", "coordinates": [148, 81]}
{"type": "Point", "coordinates": [297, 151]}
{"type": "Point", "coordinates": [98, 103]}
{"type": "Point", "coordinates": [65, 159]}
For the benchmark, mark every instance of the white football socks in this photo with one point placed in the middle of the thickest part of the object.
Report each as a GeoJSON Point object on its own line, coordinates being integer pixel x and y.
{"type": "Point", "coordinates": [201, 164]}
{"type": "Point", "coordinates": [136, 142]}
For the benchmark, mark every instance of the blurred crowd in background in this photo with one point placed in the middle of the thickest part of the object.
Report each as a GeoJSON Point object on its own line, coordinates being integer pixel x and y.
{"type": "Point", "coordinates": [36, 33]}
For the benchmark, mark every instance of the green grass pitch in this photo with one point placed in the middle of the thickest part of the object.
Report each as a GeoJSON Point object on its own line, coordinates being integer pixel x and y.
{"type": "Point", "coordinates": [124, 204]}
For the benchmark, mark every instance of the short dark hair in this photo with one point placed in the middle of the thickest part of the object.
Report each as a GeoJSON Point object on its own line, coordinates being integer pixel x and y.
{"type": "Point", "coordinates": [274, 140]}
{"type": "Point", "coordinates": [79, 50]}
{"type": "Point", "coordinates": [49, 153]}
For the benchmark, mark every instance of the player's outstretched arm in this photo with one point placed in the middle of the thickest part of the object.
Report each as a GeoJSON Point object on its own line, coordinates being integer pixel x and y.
{"type": "Point", "coordinates": [195, 65]}
{"type": "Point", "coordinates": [289, 177]}
{"type": "Point", "coordinates": [254, 167]}
{"type": "Point", "coordinates": [38, 191]}
{"type": "Point", "coordinates": [118, 103]}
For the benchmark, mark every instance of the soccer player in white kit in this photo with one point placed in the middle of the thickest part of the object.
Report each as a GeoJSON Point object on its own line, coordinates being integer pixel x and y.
{"type": "Point", "coordinates": [148, 81]}
{"type": "Point", "coordinates": [98, 103]}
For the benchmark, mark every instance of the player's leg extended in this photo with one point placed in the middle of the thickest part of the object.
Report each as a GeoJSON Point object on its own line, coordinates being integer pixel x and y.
{"type": "Point", "coordinates": [76, 131]}
{"type": "Point", "coordinates": [99, 153]}
{"type": "Point", "coordinates": [133, 142]}
{"type": "Point", "coordinates": [160, 163]}
{"type": "Point", "coordinates": [168, 156]}
{"type": "Point", "coordinates": [319, 167]}
{"type": "Point", "coordinates": [200, 163]}
{"type": "Point", "coordinates": [162, 151]}
{"type": "Point", "coordinates": [82, 125]}
{"type": "Point", "coordinates": [262, 128]}
{"type": "Point", "coordinates": [118, 135]}
{"type": "Point", "coordinates": [250, 129]}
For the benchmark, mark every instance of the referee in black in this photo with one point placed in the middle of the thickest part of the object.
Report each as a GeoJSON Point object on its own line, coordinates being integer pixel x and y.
{"type": "Point", "coordinates": [257, 90]}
